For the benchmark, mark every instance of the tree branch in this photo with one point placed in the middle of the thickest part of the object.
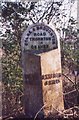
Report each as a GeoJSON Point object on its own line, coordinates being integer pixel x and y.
{"type": "Point", "coordinates": [68, 78]}
{"type": "Point", "coordinates": [45, 12]}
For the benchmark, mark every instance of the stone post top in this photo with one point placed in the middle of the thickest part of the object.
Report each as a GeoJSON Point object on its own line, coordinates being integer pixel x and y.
{"type": "Point", "coordinates": [40, 38]}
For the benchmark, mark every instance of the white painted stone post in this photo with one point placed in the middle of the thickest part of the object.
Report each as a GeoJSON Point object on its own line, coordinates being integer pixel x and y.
{"type": "Point", "coordinates": [42, 70]}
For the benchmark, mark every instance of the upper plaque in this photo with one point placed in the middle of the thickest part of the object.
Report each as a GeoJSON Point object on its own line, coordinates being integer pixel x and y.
{"type": "Point", "coordinates": [39, 38]}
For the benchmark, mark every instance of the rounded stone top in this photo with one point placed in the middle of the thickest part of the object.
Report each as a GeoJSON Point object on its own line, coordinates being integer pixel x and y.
{"type": "Point", "coordinates": [39, 38]}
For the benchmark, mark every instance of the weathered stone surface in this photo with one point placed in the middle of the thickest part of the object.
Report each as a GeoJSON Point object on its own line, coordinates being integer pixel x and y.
{"type": "Point", "coordinates": [42, 70]}
{"type": "Point", "coordinates": [43, 84]}
{"type": "Point", "coordinates": [32, 85]}
{"type": "Point", "coordinates": [52, 92]}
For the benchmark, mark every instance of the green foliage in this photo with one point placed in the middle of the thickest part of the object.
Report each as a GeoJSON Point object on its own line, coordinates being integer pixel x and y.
{"type": "Point", "coordinates": [12, 72]}
{"type": "Point", "coordinates": [70, 55]}
{"type": "Point", "coordinates": [11, 75]}
{"type": "Point", "coordinates": [17, 16]}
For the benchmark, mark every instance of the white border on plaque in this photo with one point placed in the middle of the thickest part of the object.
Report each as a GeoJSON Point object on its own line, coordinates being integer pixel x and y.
{"type": "Point", "coordinates": [40, 37]}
